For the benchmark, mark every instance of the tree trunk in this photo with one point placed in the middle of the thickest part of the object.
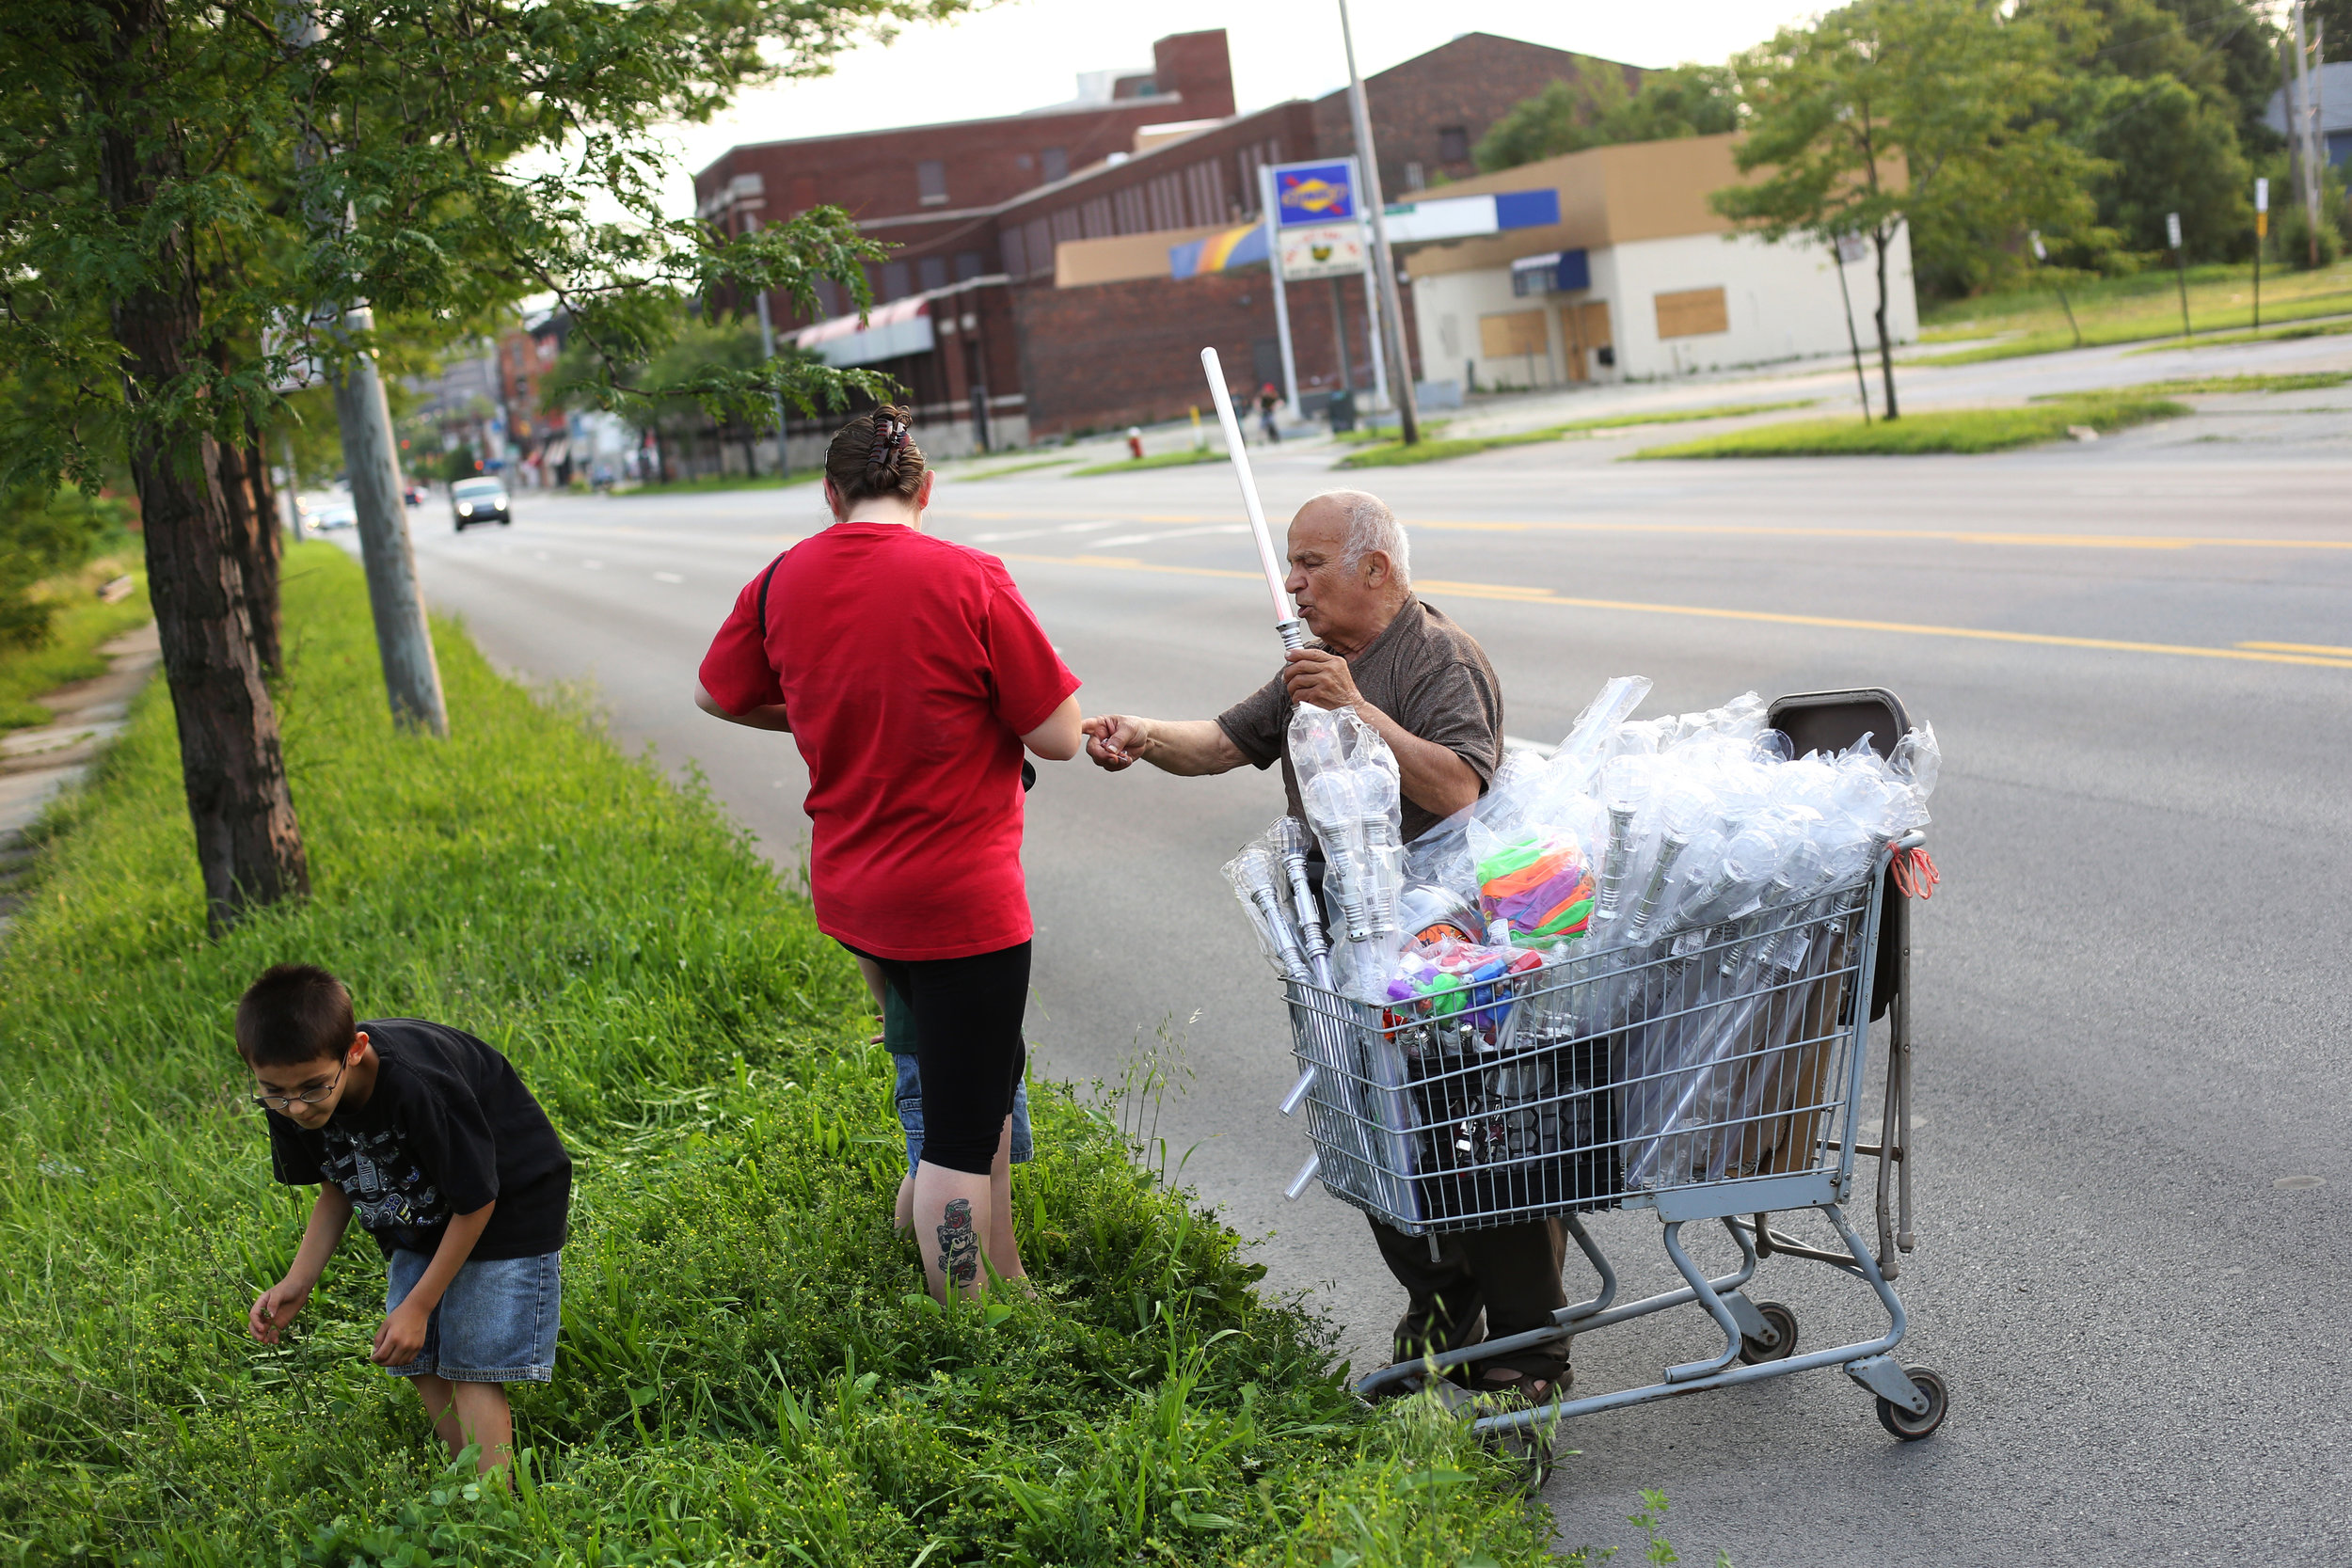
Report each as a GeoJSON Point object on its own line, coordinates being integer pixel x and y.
{"type": "Point", "coordinates": [269, 639]}
{"type": "Point", "coordinates": [248, 846]}
{"type": "Point", "coordinates": [1886, 347]}
{"type": "Point", "coordinates": [251, 539]}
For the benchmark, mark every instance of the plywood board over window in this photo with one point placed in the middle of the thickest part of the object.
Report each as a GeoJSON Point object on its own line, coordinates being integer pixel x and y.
{"type": "Point", "coordinates": [1512, 334]}
{"type": "Point", "coordinates": [1689, 312]}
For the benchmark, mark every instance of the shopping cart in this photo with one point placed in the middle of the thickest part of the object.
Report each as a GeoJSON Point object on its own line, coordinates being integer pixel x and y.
{"type": "Point", "coordinates": [1708, 1074]}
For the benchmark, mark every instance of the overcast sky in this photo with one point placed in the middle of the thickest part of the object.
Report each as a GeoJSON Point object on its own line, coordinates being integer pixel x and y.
{"type": "Point", "coordinates": [1029, 52]}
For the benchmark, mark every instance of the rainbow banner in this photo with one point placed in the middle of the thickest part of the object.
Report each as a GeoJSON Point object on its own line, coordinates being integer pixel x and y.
{"type": "Point", "coordinates": [1228, 251]}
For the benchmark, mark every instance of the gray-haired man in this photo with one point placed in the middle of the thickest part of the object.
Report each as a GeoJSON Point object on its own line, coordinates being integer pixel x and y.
{"type": "Point", "coordinates": [1425, 685]}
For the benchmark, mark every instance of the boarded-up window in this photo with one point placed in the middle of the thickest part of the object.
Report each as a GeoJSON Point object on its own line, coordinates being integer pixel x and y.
{"type": "Point", "coordinates": [1592, 323]}
{"type": "Point", "coordinates": [1692, 311]}
{"type": "Point", "coordinates": [1512, 334]}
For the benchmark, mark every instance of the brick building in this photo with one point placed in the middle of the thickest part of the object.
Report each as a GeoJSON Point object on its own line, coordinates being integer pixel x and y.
{"type": "Point", "coordinates": [998, 341]}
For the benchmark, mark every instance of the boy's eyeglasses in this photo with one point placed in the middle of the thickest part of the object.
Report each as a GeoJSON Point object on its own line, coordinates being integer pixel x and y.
{"type": "Point", "coordinates": [308, 1097]}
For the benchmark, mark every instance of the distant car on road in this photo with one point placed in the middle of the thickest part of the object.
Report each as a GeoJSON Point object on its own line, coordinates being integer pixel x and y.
{"type": "Point", "coordinates": [331, 513]}
{"type": "Point", "coordinates": [478, 500]}
{"type": "Point", "coordinates": [413, 492]}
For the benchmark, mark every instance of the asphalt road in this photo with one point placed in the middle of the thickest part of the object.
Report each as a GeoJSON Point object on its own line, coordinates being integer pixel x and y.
{"type": "Point", "coordinates": [2130, 990]}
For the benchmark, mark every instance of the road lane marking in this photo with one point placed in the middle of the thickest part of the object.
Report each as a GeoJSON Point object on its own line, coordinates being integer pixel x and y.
{"type": "Point", "coordinates": [1940, 536]}
{"type": "Point", "coordinates": [667, 577]}
{"type": "Point", "coordinates": [2300, 648]}
{"type": "Point", "coordinates": [1519, 594]}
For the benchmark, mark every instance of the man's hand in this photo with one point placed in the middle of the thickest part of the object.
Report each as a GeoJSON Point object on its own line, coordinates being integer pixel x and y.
{"type": "Point", "coordinates": [1115, 741]}
{"type": "Point", "coordinates": [401, 1335]}
{"type": "Point", "coordinates": [1319, 678]}
{"type": "Point", "coordinates": [274, 1308]}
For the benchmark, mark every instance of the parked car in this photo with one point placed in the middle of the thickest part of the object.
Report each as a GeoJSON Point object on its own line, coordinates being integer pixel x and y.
{"type": "Point", "coordinates": [478, 500]}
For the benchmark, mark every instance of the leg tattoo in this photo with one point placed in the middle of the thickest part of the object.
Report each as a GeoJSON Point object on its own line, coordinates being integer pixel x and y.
{"type": "Point", "coordinates": [959, 1244]}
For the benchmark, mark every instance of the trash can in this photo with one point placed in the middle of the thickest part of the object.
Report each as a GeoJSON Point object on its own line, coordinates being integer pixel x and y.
{"type": "Point", "coordinates": [1341, 410]}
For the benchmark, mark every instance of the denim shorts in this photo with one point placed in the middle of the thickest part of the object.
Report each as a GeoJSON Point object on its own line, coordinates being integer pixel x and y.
{"type": "Point", "coordinates": [495, 1323]}
{"type": "Point", "coordinates": [910, 1095]}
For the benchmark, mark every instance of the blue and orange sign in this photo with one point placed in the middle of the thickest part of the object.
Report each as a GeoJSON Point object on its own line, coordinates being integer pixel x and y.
{"type": "Point", "coordinates": [1315, 193]}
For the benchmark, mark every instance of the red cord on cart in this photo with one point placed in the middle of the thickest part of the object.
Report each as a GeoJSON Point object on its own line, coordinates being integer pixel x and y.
{"type": "Point", "coordinates": [1915, 874]}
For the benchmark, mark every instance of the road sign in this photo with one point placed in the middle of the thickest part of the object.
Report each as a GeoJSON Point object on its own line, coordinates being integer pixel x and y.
{"type": "Point", "coordinates": [2262, 196]}
{"type": "Point", "coordinates": [2172, 230]}
{"type": "Point", "coordinates": [1327, 250]}
{"type": "Point", "coordinates": [1319, 192]}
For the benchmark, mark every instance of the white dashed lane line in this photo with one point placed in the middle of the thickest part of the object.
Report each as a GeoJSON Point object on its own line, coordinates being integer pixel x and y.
{"type": "Point", "coordinates": [667, 577]}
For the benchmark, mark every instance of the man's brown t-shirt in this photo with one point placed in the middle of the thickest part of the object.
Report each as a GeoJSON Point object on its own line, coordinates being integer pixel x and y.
{"type": "Point", "coordinates": [1425, 673]}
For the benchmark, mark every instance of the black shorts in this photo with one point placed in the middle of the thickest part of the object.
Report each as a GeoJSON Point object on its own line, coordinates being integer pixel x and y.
{"type": "Point", "coordinates": [967, 1036]}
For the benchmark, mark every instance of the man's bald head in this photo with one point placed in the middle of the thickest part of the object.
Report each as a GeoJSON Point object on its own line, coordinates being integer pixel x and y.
{"type": "Point", "coordinates": [1364, 524]}
{"type": "Point", "coordinates": [1349, 572]}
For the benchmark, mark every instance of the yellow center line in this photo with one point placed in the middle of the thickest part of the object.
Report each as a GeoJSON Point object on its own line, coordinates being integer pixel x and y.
{"type": "Point", "coordinates": [2300, 648]}
{"type": "Point", "coordinates": [1516, 594]}
{"type": "Point", "coordinates": [1941, 536]}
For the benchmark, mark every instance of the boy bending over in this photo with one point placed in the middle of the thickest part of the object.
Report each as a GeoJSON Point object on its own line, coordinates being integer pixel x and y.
{"type": "Point", "coordinates": [428, 1136]}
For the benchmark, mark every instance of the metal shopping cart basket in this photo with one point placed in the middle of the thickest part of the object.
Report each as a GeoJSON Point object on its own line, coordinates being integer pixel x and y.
{"type": "Point", "coordinates": [1715, 1074]}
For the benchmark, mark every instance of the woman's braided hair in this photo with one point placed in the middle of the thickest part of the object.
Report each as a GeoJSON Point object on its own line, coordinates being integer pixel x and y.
{"type": "Point", "coordinates": [875, 454]}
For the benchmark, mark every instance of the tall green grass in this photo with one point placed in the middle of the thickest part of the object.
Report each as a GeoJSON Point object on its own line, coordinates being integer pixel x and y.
{"type": "Point", "coordinates": [1937, 430]}
{"type": "Point", "coordinates": [749, 1371]}
{"type": "Point", "coordinates": [80, 626]}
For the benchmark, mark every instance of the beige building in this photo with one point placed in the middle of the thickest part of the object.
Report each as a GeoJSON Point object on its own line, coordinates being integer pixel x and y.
{"type": "Point", "coordinates": [1639, 280]}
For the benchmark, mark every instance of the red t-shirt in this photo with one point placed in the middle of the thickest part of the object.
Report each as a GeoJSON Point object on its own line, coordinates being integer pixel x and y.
{"type": "Point", "coordinates": [909, 668]}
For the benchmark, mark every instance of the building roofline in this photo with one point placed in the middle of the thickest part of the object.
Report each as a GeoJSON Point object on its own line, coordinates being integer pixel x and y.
{"type": "Point", "coordinates": [1105, 105]}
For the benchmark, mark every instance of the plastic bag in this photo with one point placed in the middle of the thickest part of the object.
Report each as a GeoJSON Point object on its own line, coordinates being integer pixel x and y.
{"type": "Point", "coordinates": [1347, 779]}
{"type": "Point", "coordinates": [1539, 884]}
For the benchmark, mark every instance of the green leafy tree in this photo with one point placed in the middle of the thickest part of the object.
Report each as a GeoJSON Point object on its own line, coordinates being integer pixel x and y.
{"type": "Point", "coordinates": [1890, 113]}
{"type": "Point", "coordinates": [1594, 110]}
{"type": "Point", "coordinates": [197, 191]}
{"type": "Point", "coordinates": [2169, 149]}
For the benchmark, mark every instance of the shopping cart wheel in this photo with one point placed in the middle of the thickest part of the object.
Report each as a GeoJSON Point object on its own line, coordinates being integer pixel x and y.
{"type": "Point", "coordinates": [1784, 1325]}
{"type": "Point", "coordinates": [1905, 1425]}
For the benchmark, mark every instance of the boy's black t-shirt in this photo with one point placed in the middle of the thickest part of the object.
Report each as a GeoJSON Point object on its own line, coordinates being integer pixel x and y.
{"type": "Point", "coordinates": [449, 1128]}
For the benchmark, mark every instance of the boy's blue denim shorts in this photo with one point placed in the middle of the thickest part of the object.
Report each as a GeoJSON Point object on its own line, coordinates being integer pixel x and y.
{"type": "Point", "coordinates": [909, 1094]}
{"type": "Point", "coordinates": [495, 1323]}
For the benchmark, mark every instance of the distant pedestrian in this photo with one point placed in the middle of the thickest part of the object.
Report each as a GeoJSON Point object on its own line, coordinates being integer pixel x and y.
{"type": "Point", "coordinates": [1268, 401]}
{"type": "Point", "coordinates": [427, 1135]}
{"type": "Point", "coordinates": [911, 674]}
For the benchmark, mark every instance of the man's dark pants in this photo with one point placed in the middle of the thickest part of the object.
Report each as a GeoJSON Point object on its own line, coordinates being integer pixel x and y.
{"type": "Point", "coordinates": [1512, 1272]}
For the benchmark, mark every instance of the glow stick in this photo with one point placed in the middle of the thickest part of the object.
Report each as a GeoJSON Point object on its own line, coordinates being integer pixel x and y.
{"type": "Point", "coordinates": [1286, 624]}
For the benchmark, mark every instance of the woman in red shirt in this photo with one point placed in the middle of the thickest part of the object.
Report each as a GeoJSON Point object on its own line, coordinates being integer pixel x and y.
{"type": "Point", "coordinates": [911, 674]}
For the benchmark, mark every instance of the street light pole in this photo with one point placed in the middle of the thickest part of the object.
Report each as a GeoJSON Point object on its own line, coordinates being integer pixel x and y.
{"type": "Point", "coordinates": [1392, 311]}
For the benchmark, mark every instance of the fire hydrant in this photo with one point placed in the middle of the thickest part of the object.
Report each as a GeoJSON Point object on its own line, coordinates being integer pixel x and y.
{"type": "Point", "coordinates": [1135, 442]}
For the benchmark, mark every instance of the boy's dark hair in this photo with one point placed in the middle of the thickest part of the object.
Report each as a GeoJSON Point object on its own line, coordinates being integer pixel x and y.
{"type": "Point", "coordinates": [294, 1013]}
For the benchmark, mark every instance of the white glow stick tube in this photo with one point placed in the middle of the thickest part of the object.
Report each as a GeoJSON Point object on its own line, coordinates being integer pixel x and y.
{"type": "Point", "coordinates": [1286, 623]}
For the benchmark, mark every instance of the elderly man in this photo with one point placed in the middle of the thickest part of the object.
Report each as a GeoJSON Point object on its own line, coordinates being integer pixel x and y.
{"type": "Point", "coordinates": [1425, 685]}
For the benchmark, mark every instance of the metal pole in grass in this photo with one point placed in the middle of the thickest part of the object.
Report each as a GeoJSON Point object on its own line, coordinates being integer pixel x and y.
{"type": "Point", "coordinates": [1853, 340]}
{"type": "Point", "coordinates": [2180, 266]}
{"type": "Point", "coordinates": [2041, 255]}
{"type": "Point", "coordinates": [2262, 229]}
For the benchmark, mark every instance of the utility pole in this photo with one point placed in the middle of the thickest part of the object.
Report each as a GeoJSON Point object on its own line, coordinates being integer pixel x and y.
{"type": "Point", "coordinates": [1267, 209]}
{"type": "Point", "coordinates": [2303, 122]}
{"type": "Point", "coordinates": [1393, 316]}
{"type": "Point", "coordinates": [403, 643]}
{"type": "Point", "coordinates": [768, 349]}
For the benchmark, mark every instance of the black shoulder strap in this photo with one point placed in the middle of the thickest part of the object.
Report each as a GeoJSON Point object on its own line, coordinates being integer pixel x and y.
{"type": "Point", "coordinates": [764, 578]}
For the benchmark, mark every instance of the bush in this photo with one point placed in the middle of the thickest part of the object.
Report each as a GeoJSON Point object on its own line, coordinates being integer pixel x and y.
{"type": "Point", "coordinates": [42, 534]}
{"type": "Point", "coordinates": [749, 1371]}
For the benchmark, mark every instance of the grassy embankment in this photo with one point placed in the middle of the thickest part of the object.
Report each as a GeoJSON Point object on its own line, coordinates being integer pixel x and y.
{"type": "Point", "coordinates": [1183, 458]}
{"type": "Point", "coordinates": [747, 1371]}
{"type": "Point", "coordinates": [1394, 454]}
{"type": "Point", "coordinates": [1956, 430]}
{"type": "Point", "coordinates": [714, 483]}
{"type": "Point", "coordinates": [80, 626]}
{"type": "Point", "coordinates": [2130, 309]}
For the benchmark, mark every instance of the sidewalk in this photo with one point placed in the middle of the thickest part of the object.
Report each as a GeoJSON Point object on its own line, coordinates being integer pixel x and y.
{"type": "Point", "coordinates": [37, 765]}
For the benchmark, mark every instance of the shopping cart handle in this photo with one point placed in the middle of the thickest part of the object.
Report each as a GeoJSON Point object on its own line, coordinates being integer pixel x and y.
{"type": "Point", "coordinates": [1911, 840]}
{"type": "Point", "coordinates": [1298, 1091]}
{"type": "Point", "coordinates": [1306, 1174]}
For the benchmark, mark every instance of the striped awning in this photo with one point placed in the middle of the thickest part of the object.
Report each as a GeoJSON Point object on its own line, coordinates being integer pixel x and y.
{"type": "Point", "coordinates": [1228, 251]}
